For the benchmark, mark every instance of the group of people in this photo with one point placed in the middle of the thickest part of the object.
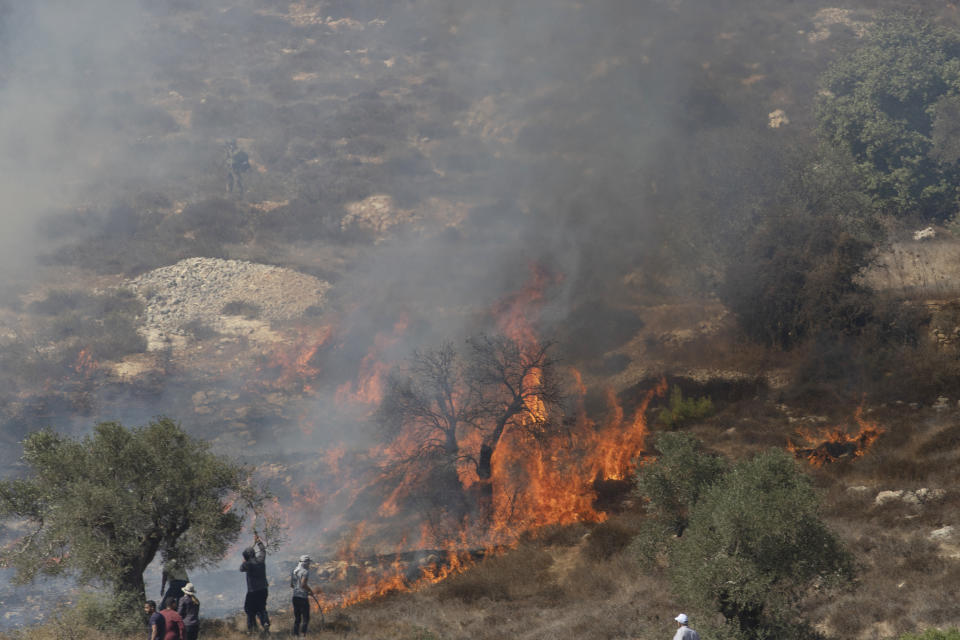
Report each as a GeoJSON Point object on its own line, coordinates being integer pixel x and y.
{"type": "Point", "coordinates": [178, 618]}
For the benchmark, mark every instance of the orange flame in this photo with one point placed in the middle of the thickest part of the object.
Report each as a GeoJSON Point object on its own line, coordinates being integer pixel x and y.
{"type": "Point", "coordinates": [833, 443]}
{"type": "Point", "coordinates": [539, 478]}
{"type": "Point", "coordinates": [85, 363]}
{"type": "Point", "coordinates": [368, 387]}
{"type": "Point", "coordinates": [293, 360]}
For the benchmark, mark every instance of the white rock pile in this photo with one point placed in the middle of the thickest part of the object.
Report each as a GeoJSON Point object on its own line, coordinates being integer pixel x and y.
{"type": "Point", "coordinates": [196, 289]}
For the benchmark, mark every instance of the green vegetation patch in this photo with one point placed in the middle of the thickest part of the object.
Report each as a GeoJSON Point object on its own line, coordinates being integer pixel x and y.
{"type": "Point", "coordinates": [682, 410]}
{"type": "Point", "coordinates": [892, 105]}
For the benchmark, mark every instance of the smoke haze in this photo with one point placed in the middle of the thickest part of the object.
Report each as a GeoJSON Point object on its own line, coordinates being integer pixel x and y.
{"type": "Point", "coordinates": [600, 142]}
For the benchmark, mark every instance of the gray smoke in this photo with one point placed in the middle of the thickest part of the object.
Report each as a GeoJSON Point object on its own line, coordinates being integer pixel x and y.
{"type": "Point", "coordinates": [587, 139]}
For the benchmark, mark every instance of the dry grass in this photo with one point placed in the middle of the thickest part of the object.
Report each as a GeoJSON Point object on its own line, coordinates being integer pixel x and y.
{"type": "Point", "coordinates": [583, 581]}
{"type": "Point", "coordinates": [537, 591]}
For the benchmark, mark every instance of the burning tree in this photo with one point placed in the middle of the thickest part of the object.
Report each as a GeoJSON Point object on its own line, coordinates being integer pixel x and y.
{"type": "Point", "coordinates": [430, 410]}
{"type": "Point", "coordinates": [103, 506]}
{"type": "Point", "coordinates": [517, 386]}
{"type": "Point", "coordinates": [448, 414]}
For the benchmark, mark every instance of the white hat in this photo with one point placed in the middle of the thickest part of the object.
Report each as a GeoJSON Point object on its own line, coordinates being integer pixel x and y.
{"type": "Point", "coordinates": [304, 558]}
{"type": "Point", "coordinates": [188, 589]}
{"type": "Point", "coordinates": [682, 618]}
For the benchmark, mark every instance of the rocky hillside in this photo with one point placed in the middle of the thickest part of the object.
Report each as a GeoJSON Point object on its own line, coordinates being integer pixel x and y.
{"type": "Point", "coordinates": [255, 210]}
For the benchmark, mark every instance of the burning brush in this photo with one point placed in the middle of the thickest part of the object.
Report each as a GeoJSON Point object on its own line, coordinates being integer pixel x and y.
{"type": "Point", "coordinates": [833, 443]}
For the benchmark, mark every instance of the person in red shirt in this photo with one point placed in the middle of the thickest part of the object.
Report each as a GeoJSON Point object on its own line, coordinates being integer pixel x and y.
{"type": "Point", "coordinates": [173, 623]}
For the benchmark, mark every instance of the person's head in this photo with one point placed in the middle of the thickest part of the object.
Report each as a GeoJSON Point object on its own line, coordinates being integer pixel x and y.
{"type": "Point", "coordinates": [682, 620]}
{"type": "Point", "coordinates": [170, 603]}
{"type": "Point", "coordinates": [249, 553]}
{"type": "Point", "coordinates": [150, 606]}
{"type": "Point", "coordinates": [305, 560]}
{"type": "Point", "coordinates": [189, 589]}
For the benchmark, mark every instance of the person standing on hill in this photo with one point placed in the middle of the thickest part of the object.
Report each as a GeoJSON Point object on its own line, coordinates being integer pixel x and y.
{"type": "Point", "coordinates": [238, 163]}
{"type": "Point", "coordinates": [255, 566]}
{"type": "Point", "coordinates": [173, 623]}
{"type": "Point", "coordinates": [301, 592]}
{"type": "Point", "coordinates": [684, 632]}
{"type": "Point", "coordinates": [189, 610]}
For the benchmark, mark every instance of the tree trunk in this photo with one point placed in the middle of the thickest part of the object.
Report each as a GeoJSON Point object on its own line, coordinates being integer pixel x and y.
{"type": "Point", "coordinates": [484, 474]}
{"type": "Point", "coordinates": [452, 493]}
{"type": "Point", "coordinates": [130, 585]}
{"type": "Point", "coordinates": [485, 463]}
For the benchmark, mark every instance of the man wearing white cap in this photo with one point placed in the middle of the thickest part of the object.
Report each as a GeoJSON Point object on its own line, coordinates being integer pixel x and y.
{"type": "Point", "coordinates": [301, 593]}
{"type": "Point", "coordinates": [684, 632]}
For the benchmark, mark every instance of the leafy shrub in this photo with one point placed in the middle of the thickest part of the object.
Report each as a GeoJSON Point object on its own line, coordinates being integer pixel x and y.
{"type": "Point", "coordinates": [93, 617]}
{"type": "Point", "coordinates": [248, 310]}
{"type": "Point", "coordinates": [952, 633]}
{"type": "Point", "coordinates": [650, 542]}
{"type": "Point", "coordinates": [755, 544]}
{"type": "Point", "coordinates": [117, 336]}
{"type": "Point", "coordinates": [521, 572]}
{"type": "Point", "coordinates": [607, 539]}
{"type": "Point", "coordinates": [682, 410]}
{"type": "Point", "coordinates": [200, 330]}
{"type": "Point", "coordinates": [890, 104]}
{"type": "Point", "coordinates": [674, 482]}
{"type": "Point", "coordinates": [796, 278]}
{"type": "Point", "coordinates": [104, 323]}
{"type": "Point", "coordinates": [109, 613]}
{"type": "Point", "coordinates": [27, 365]}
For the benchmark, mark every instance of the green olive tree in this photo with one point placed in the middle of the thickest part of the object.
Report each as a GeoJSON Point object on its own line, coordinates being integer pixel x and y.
{"type": "Point", "coordinates": [101, 507]}
{"type": "Point", "coordinates": [672, 483]}
{"type": "Point", "coordinates": [755, 546]}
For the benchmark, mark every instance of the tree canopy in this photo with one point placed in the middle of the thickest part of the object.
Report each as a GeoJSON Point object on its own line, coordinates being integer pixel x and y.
{"type": "Point", "coordinates": [755, 545]}
{"type": "Point", "coordinates": [445, 398]}
{"type": "Point", "coordinates": [890, 104]}
{"type": "Point", "coordinates": [103, 506]}
{"type": "Point", "coordinates": [673, 483]}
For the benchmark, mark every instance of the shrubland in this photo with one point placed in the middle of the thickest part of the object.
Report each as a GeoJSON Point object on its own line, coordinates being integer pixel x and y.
{"type": "Point", "coordinates": [779, 227]}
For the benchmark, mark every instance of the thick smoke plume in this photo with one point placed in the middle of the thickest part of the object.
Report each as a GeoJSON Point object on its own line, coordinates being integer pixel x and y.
{"type": "Point", "coordinates": [492, 141]}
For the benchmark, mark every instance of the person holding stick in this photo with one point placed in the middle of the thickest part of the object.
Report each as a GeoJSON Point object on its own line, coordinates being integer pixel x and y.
{"type": "Point", "coordinates": [299, 581]}
{"type": "Point", "coordinates": [255, 566]}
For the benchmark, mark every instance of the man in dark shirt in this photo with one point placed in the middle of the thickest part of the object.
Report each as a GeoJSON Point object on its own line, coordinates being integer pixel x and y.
{"type": "Point", "coordinates": [156, 624]}
{"type": "Point", "coordinates": [172, 579]}
{"type": "Point", "coordinates": [254, 565]}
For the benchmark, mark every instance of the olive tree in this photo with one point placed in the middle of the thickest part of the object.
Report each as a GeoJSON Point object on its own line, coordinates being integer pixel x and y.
{"type": "Point", "coordinates": [519, 387]}
{"type": "Point", "coordinates": [101, 507]}
{"type": "Point", "coordinates": [430, 403]}
{"type": "Point", "coordinates": [755, 545]}
{"type": "Point", "coordinates": [673, 482]}
{"type": "Point", "coordinates": [444, 398]}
